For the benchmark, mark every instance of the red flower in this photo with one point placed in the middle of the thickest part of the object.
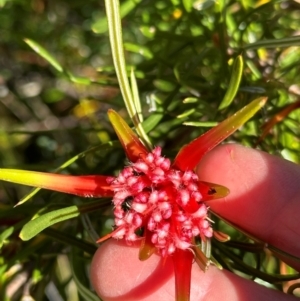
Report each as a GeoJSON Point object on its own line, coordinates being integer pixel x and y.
{"type": "Point", "coordinates": [163, 201]}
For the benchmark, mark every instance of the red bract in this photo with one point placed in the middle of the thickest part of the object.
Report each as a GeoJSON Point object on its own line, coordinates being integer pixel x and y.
{"type": "Point", "coordinates": [160, 203]}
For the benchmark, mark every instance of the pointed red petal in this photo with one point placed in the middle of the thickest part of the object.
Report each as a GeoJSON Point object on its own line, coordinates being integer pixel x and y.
{"type": "Point", "coordinates": [131, 143]}
{"type": "Point", "coordinates": [183, 260]}
{"type": "Point", "coordinates": [190, 155]}
{"type": "Point", "coordinates": [211, 191]}
{"type": "Point", "coordinates": [86, 186]}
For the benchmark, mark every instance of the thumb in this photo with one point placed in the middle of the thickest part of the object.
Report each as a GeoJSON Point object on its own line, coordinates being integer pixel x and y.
{"type": "Point", "coordinates": [264, 197]}
{"type": "Point", "coordinates": [118, 275]}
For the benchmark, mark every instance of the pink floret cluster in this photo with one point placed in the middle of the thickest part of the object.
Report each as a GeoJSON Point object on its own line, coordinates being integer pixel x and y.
{"type": "Point", "coordinates": [152, 195]}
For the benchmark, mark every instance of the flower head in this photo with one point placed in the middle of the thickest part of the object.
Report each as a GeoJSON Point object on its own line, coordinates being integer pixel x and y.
{"type": "Point", "coordinates": [160, 203]}
{"type": "Point", "coordinates": [167, 201]}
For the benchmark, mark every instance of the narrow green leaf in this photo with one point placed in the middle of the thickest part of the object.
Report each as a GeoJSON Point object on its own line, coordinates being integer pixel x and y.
{"type": "Point", "coordinates": [152, 121]}
{"type": "Point", "coordinates": [125, 8]}
{"type": "Point", "coordinates": [257, 74]}
{"type": "Point", "coordinates": [253, 90]}
{"type": "Point", "coordinates": [203, 4]}
{"type": "Point", "coordinates": [22, 254]}
{"type": "Point", "coordinates": [274, 249]}
{"type": "Point", "coordinates": [201, 123]}
{"type": "Point", "coordinates": [202, 261]}
{"type": "Point", "coordinates": [44, 54]}
{"type": "Point", "coordinates": [147, 30]}
{"type": "Point", "coordinates": [3, 2]}
{"type": "Point", "coordinates": [35, 226]}
{"type": "Point", "coordinates": [116, 43]}
{"type": "Point", "coordinates": [186, 113]}
{"type": "Point", "coordinates": [77, 266]}
{"type": "Point", "coordinates": [10, 230]}
{"type": "Point", "coordinates": [70, 240]}
{"type": "Point", "coordinates": [52, 61]}
{"type": "Point", "coordinates": [289, 57]}
{"type": "Point", "coordinates": [164, 85]}
{"type": "Point", "coordinates": [188, 5]}
{"type": "Point", "coordinates": [139, 49]}
{"type": "Point", "coordinates": [190, 100]}
{"type": "Point", "coordinates": [6, 234]}
{"type": "Point", "coordinates": [274, 43]}
{"type": "Point", "coordinates": [234, 83]}
{"type": "Point", "coordinates": [206, 247]}
{"type": "Point", "coordinates": [136, 96]}
{"type": "Point", "coordinates": [77, 79]}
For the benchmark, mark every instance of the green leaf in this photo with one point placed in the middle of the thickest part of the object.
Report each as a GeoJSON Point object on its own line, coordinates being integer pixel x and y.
{"type": "Point", "coordinates": [152, 121]}
{"type": "Point", "coordinates": [44, 54]}
{"type": "Point", "coordinates": [3, 2]}
{"type": "Point", "coordinates": [125, 8]}
{"type": "Point", "coordinates": [164, 85]}
{"type": "Point", "coordinates": [35, 226]}
{"type": "Point", "coordinates": [116, 43]}
{"type": "Point", "coordinates": [78, 265]}
{"type": "Point", "coordinates": [136, 97]}
{"type": "Point", "coordinates": [275, 250]}
{"type": "Point", "coordinates": [186, 113]}
{"type": "Point", "coordinates": [188, 5]}
{"type": "Point", "coordinates": [234, 83]}
{"type": "Point", "coordinates": [70, 240]}
{"type": "Point", "coordinates": [255, 71]}
{"type": "Point", "coordinates": [6, 234]}
{"type": "Point", "coordinates": [142, 50]}
{"type": "Point", "coordinates": [22, 254]}
{"type": "Point", "coordinates": [274, 43]}
{"type": "Point", "coordinates": [190, 100]}
{"type": "Point", "coordinates": [10, 230]}
{"type": "Point", "coordinates": [201, 123]}
{"type": "Point", "coordinates": [253, 90]}
{"type": "Point", "coordinates": [77, 79]}
{"type": "Point", "coordinates": [203, 4]}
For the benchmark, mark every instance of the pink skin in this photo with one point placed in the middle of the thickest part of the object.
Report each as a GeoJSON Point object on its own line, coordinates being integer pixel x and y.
{"type": "Point", "coordinates": [264, 201]}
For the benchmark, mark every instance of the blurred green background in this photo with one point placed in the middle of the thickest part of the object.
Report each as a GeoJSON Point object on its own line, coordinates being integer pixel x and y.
{"type": "Point", "coordinates": [53, 109]}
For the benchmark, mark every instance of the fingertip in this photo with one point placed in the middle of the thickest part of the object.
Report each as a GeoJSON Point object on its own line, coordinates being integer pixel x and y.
{"type": "Point", "coordinates": [254, 179]}
{"type": "Point", "coordinates": [264, 193]}
{"type": "Point", "coordinates": [118, 275]}
{"type": "Point", "coordinates": [242, 170]}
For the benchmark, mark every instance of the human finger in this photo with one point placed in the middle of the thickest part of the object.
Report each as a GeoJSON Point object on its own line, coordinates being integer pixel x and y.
{"type": "Point", "coordinates": [264, 197]}
{"type": "Point", "coordinates": [118, 275]}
